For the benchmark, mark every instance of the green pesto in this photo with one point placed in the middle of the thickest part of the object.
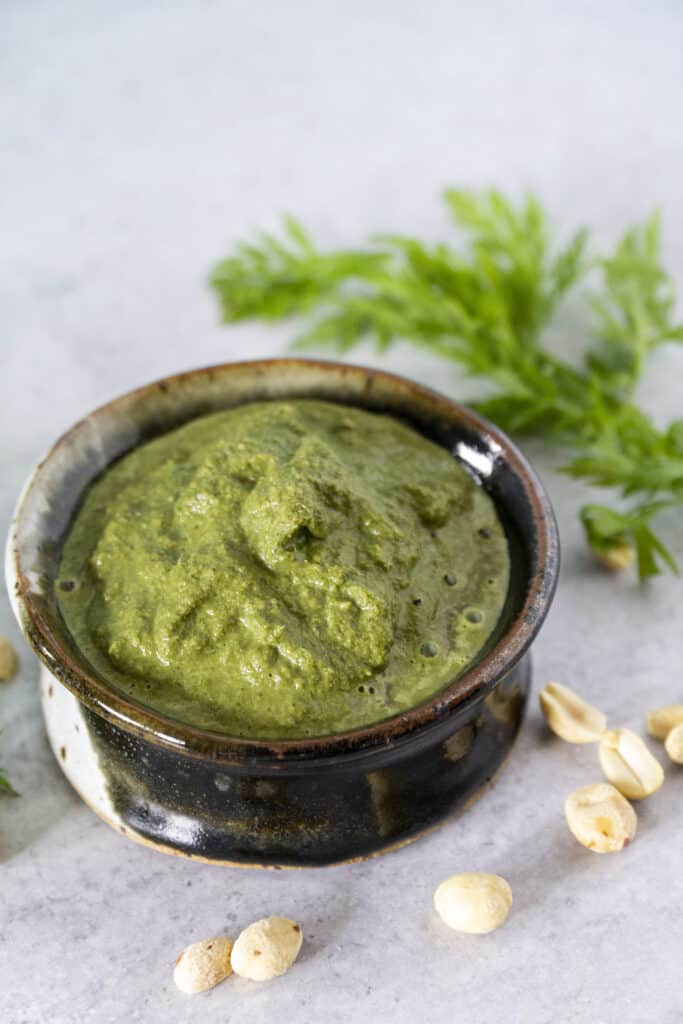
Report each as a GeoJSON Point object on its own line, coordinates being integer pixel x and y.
{"type": "Point", "coordinates": [284, 569]}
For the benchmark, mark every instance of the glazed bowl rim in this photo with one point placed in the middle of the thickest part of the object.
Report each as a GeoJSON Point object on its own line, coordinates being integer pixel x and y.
{"type": "Point", "coordinates": [479, 679]}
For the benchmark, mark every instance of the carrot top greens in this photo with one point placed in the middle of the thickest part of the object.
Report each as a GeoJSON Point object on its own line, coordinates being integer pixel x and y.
{"type": "Point", "coordinates": [489, 303]}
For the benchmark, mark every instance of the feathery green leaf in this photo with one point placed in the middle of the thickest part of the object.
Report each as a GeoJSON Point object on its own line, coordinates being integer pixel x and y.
{"type": "Point", "coordinates": [485, 301]}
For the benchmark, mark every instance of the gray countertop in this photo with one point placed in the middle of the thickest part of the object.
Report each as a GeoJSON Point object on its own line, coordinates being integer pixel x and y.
{"type": "Point", "coordinates": [139, 140]}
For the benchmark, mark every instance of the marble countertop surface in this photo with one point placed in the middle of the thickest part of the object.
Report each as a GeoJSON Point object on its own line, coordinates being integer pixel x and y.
{"type": "Point", "coordinates": [140, 139]}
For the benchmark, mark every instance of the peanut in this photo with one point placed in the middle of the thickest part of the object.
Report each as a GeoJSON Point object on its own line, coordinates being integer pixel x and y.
{"type": "Point", "coordinates": [266, 948]}
{"type": "Point", "coordinates": [569, 716]}
{"type": "Point", "coordinates": [629, 765]}
{"type": "Point", "coordinates": [674, 744]}
{"type": "Point", "coordinates": [600, 818]}
{"type": "Point", "coordinates": [8, 660]}
{"type": "Point", "coordinates": [203, 965]}
{"type": "Point", "coordinates": [617, 557]}
{"type": "Point", "coordinates": [473, 902]}
{"type": "Point", "coordinates": [661, 721]}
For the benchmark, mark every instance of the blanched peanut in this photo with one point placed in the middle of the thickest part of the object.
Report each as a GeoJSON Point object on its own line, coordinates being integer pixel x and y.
{"type": "Point", "coordinates": [8, 660]}
{"type": "Point", "coordinates": [600, 818]}
{"type": "Point", "coordinates": [473, 902]}
{"type": "Point", "coordinates": [266, 948]}
{"type": "Point", "coordinates": [569, 716]}
{"type": "Point", "coordinates": [661, 722]}
{"type": "Point", "coordinates": [617, 557]}
{"type": "Point", "coordinates": [203, 965]}
{"type": "Point", "coordinates": [629, 765]}
{"type": "Point", "coordinates": [674, 744]}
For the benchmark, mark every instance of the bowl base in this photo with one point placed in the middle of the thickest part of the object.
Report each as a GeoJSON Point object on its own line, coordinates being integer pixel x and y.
{"type": "Point", "coordinates": [212, 815]}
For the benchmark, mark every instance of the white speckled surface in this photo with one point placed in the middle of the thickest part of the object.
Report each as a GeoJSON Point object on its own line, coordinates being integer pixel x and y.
{"type": "Point", "coordinates": [140, 139]}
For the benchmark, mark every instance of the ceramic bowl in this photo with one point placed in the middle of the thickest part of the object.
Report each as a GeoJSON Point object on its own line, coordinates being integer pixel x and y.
{"type": "Point", "coordinates": [287, 803]}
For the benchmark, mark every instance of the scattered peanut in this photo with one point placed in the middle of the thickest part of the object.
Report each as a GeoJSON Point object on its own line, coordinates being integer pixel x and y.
{"type": "Point", "coordinates": [569, 716]}
{"type": "Point", "coordinates": [266, 948]}
{"type": "Point", "coordinates": [674, 744]}
{"type": "Point", "coordinates": [473, 902]}
{"type": "Point", "coordinates": [617, 557]}
{"type": "Point", "coordinates": [203, 965]}
{"type": "Point", "coordinates": [8, 660]}
{"type": "Point", "coordinates": [661, 722]}
{"type": "Point", "coordinates": [600, 818]}
{"type": "Point", "coordinates": [629, 765]}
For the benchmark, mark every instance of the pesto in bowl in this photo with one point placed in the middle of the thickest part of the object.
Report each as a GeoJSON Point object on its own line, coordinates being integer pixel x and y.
{"type": "Point", "coordinates": [284, 569]}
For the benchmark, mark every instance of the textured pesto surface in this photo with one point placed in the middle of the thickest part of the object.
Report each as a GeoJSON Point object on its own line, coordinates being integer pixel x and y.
{"type": "Point", "coordinates": [284, 569]}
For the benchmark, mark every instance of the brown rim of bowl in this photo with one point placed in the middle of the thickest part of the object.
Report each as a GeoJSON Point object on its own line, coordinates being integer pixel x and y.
{"type": "Point", "coordinates": [140, 720]}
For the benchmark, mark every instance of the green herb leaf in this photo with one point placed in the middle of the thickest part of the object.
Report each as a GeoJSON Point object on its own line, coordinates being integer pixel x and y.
{"type": "Point", "coordinates": [633, 312]}
{"type": "Point", "coordinates": [485, 302]}
{"type": "Point", "coordinates": [606, 527]}
{"type": "Point", "coordinates": [6, 788]}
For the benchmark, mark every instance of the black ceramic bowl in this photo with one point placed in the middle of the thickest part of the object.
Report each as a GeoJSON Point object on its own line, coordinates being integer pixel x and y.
{"type": "Point", "coordinates": [287, 803]}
